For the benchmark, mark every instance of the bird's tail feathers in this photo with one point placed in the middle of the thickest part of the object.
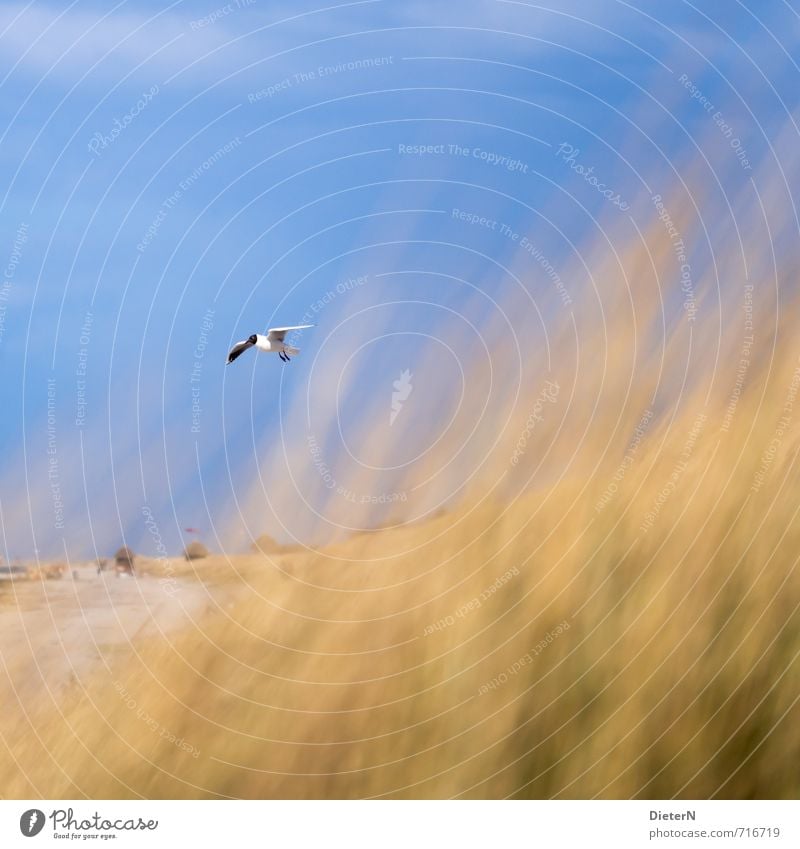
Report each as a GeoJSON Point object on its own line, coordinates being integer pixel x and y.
{"type": "Point", "coordinates": [291, 351]}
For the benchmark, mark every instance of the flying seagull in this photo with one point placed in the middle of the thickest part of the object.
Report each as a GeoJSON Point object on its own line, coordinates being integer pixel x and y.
{"type": "Point", "coordinates": [271, 343]}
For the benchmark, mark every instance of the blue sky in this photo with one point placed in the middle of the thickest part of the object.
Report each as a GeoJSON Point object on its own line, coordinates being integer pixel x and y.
{"type": "Point", "coordinates": [271, 151]}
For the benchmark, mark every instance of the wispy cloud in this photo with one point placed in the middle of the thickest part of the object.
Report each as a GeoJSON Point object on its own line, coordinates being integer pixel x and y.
{"type": "Point", "coordinates": [53, 41]}
{"type": "Point", "coordinates": [63, 44]}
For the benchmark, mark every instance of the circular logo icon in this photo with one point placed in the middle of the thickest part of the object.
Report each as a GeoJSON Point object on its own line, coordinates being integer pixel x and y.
{"type": "Point", "coordinates": [31, 822]}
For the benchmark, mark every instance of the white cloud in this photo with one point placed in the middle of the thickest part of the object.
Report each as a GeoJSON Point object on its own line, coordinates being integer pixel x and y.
{"type": "Point", "coordinates": [66, 43]}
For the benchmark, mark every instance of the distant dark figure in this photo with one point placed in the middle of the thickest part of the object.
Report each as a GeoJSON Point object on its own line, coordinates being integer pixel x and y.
{"type": "Point", "coordinates": [195, 551]}
{"type": "Point", "coordinates": [123, 561]}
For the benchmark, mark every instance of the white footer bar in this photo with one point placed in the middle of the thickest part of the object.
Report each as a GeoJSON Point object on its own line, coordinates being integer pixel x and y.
{"type": "Point", "coordinates": [389, 824]}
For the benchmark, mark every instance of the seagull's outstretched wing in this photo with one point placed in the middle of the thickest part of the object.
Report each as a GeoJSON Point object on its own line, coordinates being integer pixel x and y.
{"type": "Point", "coordinates": [278, 334]}
{"type": "Point", "coordinates": [238, 349]}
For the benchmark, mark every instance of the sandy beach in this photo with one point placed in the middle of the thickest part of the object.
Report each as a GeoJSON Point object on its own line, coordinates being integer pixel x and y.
{"type": "Point", "coordinates": [59, 634]}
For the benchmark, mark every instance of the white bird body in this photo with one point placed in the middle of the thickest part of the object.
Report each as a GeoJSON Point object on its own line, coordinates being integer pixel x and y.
{"type": "Point", "coordinates": [270, 343]}
{"type": "Point", "coordinates": [273, 346]}
{"type": "Point", "coordinates": [263, 343]}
